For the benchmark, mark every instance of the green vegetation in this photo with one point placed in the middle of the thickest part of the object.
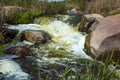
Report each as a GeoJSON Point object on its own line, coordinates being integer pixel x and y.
{"type": "Point", "coordinates": [56, 8]}
{"type": "Point", "coordinates": [114, 12]}
{"type": "Point", "coordinates": [44, 20]}
{"type": "Point", "coordinates": [24, 17]}
{"type": "Point", "coordinates": [94, 71]}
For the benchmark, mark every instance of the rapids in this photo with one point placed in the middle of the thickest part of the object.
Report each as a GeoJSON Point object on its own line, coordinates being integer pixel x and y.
{"type": "Point", "coordinates": [63, 36]}
{"type": "Point", "coordinates": [67, 45]}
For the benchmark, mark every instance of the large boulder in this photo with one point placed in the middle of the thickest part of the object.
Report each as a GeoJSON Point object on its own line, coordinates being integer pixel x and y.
{"type": "Point", "coordinates": [88, 20]}
{"type": "Point", "coordinates": [8, 10]}
{"type": "Point", "coordinates": [105, 39]}
{"type": "Point", "coordinates": [35, 36]}
{"type": "Point", "coordinates": [17, 15]}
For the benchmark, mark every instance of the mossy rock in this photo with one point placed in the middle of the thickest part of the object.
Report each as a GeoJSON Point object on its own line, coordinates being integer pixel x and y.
{"type": "Point", "coordinates": [59, 53]}
{"type": "Point", "coordinates": [53, 53]}
{"type": "Point", "coordinates": [44, 20]}
{"type": "Point", "coordinates": [23, 17]}
{"type": "Point", "coordinates": [87, 45]}
{"type": "Point", "coordinates": [82, 27]}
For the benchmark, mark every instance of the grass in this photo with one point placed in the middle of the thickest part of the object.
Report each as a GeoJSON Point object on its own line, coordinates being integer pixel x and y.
{"type": "Point", "coordinates": [86, 6]}
{"type": "Point", "coordinates": [91, 72]}
{"type": "Point", "coordinates": [24, 17]}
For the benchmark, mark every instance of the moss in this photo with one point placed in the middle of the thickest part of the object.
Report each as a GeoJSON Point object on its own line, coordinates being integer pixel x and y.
{"type": "Point", "coordinates": [114, 12]}
{"type": "Point", "coordinates": [105, 10]}
{"type": "Point", "coordinates": [1, 38]}
{"type": "Point", "coordinates": [87, 45]}
{"type": "Point", "coordinates": [2, 48]}
{"type": "Point", "coordinates": [59, 53]}
{"type": "Point", "coordinates": [44, 20]}
{"type": "Point", "coordinates": [82, 25]}
{"type": "Point", "coordinates": [23, 17]}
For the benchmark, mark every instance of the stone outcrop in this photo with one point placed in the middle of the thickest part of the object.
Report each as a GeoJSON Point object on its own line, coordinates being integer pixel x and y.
{"type": "Point", "coordinates": [105, 39]}
{"type": "Point", "coordinates": [88, 21]}
{"type": "Point", "coordinates": [35, 36]}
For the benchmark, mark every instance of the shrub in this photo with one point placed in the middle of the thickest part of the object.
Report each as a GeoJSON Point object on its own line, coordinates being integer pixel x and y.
{"type": "Point", "coordinates": [23, 17]}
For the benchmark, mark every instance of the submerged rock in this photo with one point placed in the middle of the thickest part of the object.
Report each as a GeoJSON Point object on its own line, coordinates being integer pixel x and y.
{"type": "Point", "coordinates": [35, 36]}
{"type": "Point", "coordinates": [20, 51]}
{"type": "Point", "coordinates": [105, 39]}
{"type": "Point", "coordinates": [88, 21]}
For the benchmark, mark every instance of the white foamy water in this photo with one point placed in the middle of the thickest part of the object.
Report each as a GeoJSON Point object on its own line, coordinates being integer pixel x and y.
{"type": "Point", "coordinates": [64, 36]}
{"type": "Point", "coordinates": [11, 70]}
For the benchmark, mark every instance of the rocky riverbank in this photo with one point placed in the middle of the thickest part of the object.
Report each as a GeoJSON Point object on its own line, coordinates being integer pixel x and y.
{"type": "Point", "coordinates": [52, 47]}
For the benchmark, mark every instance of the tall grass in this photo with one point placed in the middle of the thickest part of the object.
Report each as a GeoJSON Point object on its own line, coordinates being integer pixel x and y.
{"type": "Point", "coordinates": [102, 6]}
{"type": "Point", "coordinates": [94, 71]}
{"type": "Point", "coordinates": [95, 6]}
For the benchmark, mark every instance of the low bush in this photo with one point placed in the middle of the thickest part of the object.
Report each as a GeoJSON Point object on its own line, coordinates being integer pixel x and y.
{"type": "Point", "coordinates": [23, 17]}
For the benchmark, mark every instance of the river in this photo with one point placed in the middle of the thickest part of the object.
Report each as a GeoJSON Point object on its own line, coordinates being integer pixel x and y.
{"type": "Point", "coordinates": [66, 47]}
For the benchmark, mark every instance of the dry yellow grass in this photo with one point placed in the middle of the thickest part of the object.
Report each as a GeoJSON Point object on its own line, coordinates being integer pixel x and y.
{"type": "Point", "coordinates": [104, 6]}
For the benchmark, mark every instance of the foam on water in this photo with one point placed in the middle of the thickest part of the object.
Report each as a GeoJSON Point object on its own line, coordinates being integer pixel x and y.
{"type": "Point", "coordinates": [64, 36]}
{"type": "Point", "coordinates": [11, 70]}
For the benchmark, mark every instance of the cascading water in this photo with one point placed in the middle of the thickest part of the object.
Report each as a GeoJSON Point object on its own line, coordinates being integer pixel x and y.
{"type": "Point", "coordinates": [66, 45]}
{"type": "Point", "coordinates": [64, 36]}
{"type": "Point", "coordinates": [11, 69]}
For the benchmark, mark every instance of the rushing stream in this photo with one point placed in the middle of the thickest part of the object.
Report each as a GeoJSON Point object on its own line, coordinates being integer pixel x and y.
{"type": "Point", "coordinates": [66, 47]}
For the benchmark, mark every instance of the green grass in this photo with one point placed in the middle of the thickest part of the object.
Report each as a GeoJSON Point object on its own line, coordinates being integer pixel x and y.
{"type": "Point", "coordinates": [91, 72]}
{"type": "Point", "coordinates": [24, 17]}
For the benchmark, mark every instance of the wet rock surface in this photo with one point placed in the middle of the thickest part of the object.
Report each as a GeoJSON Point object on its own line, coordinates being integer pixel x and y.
{"type": "Point", "coordinates": [20, 51]}
{"type": "Point", "coordinates": [88, 21]}
{"type": "Point", "coordinates": [35, 36]}
{"type": "Point", "coordinates": [104, 40]}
